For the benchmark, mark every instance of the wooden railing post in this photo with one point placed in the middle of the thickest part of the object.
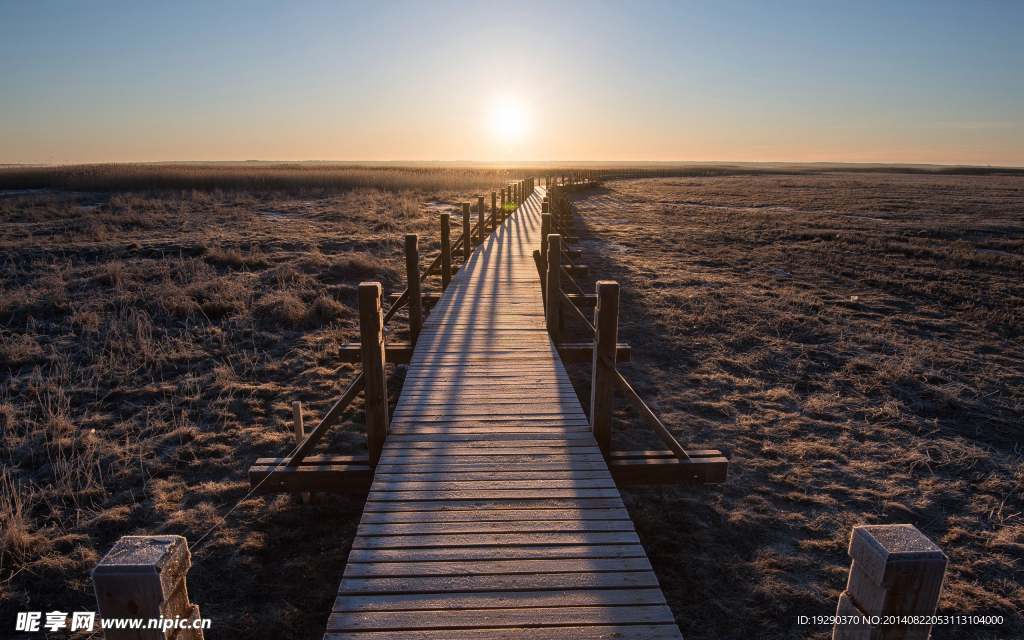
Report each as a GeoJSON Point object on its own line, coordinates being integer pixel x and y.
{"type": "Point", "coordinates": [896, 571]}
{"type": "Point", "coordinates": [446, 250]}
{"type": "Point", "coordinates": [482, 217]}
{"type": "Point", "coordinates": [545, 206]}
{"type": "Point", "coordinates": [602, 386]}
{"type": "Point", "coordinates": [467, 239]}
{"type": "Point", "coordinates": [412, 275]}
{"type": "Point", "coordinates": [375, 389]}
{"type": "Point", "coordinates": [300, 435]}
{"type": "Point", "coordinates": [545, 231]}
{"type": "Point", "coordinates": [494, 211]}
{"type": "Point", "coordinates": [143, 577]}
{"type": "Point", "coordinates": [503, 212]}
{"type": "Point", "coordinates": [553, 289]}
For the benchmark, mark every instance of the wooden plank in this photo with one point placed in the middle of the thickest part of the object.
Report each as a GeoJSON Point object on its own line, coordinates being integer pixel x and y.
{"type": "Point", "coordinates": [499, 600]}
{"type": "Point", "coordinates": [669, 471]}
{"type": "Point", "coordinates": [495, 503]}
{"type": "Point", "coordinates": [601, 632]}
{"type": "Point", "coordinates": [507, 618]}
{"type": "Point", "coordinates": [492, 567]}
{"type": "Point", "coordinates": [491, 539]}
{"type": "Point", "coordinates": [509, 515]}
{"type": "Point", "coordinates": [469, 584]}
{"type": "Point", "coordinates": [511, 526]}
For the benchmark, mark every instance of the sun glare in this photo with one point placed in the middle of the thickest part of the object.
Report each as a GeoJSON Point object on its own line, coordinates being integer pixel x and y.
{"type": "Point", "coordinates": [509, 122]}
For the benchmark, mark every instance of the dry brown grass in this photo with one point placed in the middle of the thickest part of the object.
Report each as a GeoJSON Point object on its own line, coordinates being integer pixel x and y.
{"type": "Point", "coordinates": [151, 344]}
{"type": "Point", "coordinates": [855, 344]}
{"type": "Point", "coordinates": [150, 347]}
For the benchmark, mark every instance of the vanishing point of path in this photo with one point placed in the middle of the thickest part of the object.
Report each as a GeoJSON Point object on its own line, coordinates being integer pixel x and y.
{"type": "Point", "coordinates": [492, 512]}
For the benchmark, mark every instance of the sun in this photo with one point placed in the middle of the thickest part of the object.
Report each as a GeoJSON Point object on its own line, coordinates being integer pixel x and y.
{"type": "Point", "coordinates": [509, 122]}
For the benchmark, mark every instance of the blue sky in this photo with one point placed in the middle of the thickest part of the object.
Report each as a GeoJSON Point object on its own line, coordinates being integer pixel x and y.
{"type": "Point", "coordinates": [937, 82]}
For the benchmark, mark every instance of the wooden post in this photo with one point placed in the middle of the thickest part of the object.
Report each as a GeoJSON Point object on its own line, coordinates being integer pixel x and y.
{"type": "Point", "coordinates": [602, 386]}
{"type": "Point", "coordinates": [503, 212]}
{"type": "Point", "coordinates": [467, 239]}
{"type": "Point", "coordinates": [896, 571]}
{"type": "Point", "coordinates": [481, 216]}
{"type": "Point", "coordinates": [446, 250]}
{"type": "Point", "coordinates": [300, 434]}
{"type": "Point", "coordinates": [375, 390]}
{"type": "Point", "coordinates": [412, 275]}
{"type": "Point", "coordinates": [545, 231]}
{"type": "Point", "coordinates": [494, 211]}
{"type": "Point", "coordinates": [143, 577]}
{"type": "Point", "coordinates": [545, 206]}
{"type": "Point", "coordinates": [553, 287]}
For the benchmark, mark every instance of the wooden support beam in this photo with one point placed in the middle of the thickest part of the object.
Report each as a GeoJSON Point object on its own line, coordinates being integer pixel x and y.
{"type": "Point", "coordinates": [573, 254]}
{"type": "Point", "coordinates": [143, 578]}
{"type": "Point", "coordinates": [663, 467]}
{"type": "Point", "coordinates": [354, 388]}
{"type": "Point", "coordinates": [371, 335]}
{"type": "Point", "coordinates": [577, 271]}
{"type": "Point", "coordinates": [428, 299]}
{"type": "Point", "coordinates": [311, 477]}
{"type": "Point", "coordinates": [494, 211]}
{"type": "Point", "coordinates": [584, 352]}
{"type": "Point", "coordinates": [897, 571]}
{"type": "Point", "coordinates": [300, 435]}
{"type": "Point", "coordinates": [503, 202]}
{"type": "Point", "coordinates": [412, 276]}
{"type": "Point", "coordinates": [446, 250]}
{"type": "Point", "coordinates": [394, 352]}
{"type": "Point", "coordinates": [582, 300]}
{"type": "Point", "coordinates": [602, 386]}
{"type": "Point", "coordinates": [553, 286]}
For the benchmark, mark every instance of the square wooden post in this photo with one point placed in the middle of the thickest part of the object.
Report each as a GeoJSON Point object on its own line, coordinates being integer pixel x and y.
{"type": "Point", "coordinates": [143, 577]}
{"type": "Point", "coordinates": [896, 571]}
{"type": "Point", "coordinates": [553, 287]}
{"type": "Point", "coordinates": [467, 238]}
{"type": "Point", "coordinates": [300, 435]}
{"type": "Point", "coordinates": [375, 390]}
{"type": "Point", "coordinates": [545, 231]}
{"type": "Point", "coordinates": [446, 250]}
{"type": "Point", "coordinates": [481, 217]}
{"type": "Point", "coordinates": [412, 275]}
{"type": "Point", "coordinates": [602, 386]}
{"type": "Point", "coordinates": [494, 211]}
{"type": "Point", "coordinates": [503, 212]}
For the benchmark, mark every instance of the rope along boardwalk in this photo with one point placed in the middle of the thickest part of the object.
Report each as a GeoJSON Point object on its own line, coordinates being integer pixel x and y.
{"type": "Point", "coordinates": [492, 512]}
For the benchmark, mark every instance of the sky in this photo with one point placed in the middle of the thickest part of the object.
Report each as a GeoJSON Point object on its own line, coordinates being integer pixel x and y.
{"type": "Point", "coordinates": [817, 81]}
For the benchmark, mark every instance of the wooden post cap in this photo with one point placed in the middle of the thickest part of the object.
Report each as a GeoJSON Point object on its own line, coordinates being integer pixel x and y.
{"type": "Point", "coordinates": [879, 550]}
{"type": "Point", "coordinates": [144, 577]}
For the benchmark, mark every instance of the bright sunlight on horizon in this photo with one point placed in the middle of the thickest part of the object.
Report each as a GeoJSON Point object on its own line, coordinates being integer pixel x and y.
{"type": "Point", "coordinates": [903, 82]}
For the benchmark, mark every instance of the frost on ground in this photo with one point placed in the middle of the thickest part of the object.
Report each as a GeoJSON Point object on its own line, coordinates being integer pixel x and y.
{"type": "Point", "coordinates": [854, 372]}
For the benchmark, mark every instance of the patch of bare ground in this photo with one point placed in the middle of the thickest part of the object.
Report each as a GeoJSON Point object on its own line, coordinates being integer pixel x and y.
{"type": "Point", "coordinates": [150, 347]}
{"type": "Point", "coordinates": [854, 343]}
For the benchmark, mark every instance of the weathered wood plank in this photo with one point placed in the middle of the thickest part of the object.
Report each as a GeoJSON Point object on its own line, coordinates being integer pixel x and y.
{"type": "Point", "coordinates": [601, 632]}
{"type": "Point", "coordinates": [499, 600]}
{"type": "Point", "coordinates": [509, 618]}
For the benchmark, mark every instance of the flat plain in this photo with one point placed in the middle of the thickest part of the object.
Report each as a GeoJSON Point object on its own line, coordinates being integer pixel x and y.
{"type": "Point", "coordinates": [851, 340]}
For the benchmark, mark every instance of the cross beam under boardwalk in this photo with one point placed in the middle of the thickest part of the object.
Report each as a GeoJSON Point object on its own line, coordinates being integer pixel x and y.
{"type": "Point", "coordinates": [492, 512]}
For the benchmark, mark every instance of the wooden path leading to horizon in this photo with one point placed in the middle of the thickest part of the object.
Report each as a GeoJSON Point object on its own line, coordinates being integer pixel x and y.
{"type": "Point", "coordinates": [492, 512]}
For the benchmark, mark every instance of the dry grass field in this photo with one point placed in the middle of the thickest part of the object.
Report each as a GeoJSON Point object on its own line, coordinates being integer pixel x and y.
{"type": "Point", "coordinates": [852, 341]}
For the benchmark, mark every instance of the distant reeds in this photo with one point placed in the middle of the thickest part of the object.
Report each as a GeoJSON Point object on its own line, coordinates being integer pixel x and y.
{"type": "Point", "coordinates": [301, 177]}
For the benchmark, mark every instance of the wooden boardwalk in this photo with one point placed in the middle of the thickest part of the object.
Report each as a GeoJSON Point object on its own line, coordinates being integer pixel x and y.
{"type": "Point", "coordinates": [492, 512]}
